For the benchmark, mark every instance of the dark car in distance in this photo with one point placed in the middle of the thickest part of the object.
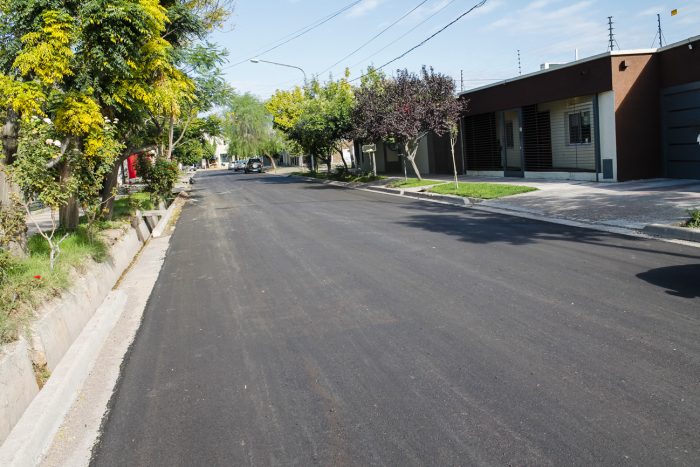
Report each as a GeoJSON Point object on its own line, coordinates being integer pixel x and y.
{"type": "Point", "coordinates": [254, 164]}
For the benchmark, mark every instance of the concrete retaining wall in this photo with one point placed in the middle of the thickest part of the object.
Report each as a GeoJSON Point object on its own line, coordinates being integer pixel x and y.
{"type": "Point", "coordinates": [17, 384]}
{"type": "Point", "coordinates": [58, 324]}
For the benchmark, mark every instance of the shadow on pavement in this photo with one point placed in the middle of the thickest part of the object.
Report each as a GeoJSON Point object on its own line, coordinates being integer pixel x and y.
{"type": "Point", "coordinates": [680, 281]}
{"type": "Point", "coordinates": [485, 228]}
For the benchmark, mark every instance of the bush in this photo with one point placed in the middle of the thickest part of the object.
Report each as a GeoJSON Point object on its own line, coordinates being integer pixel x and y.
{"type": "Point", "coordinates": [7, 264]}
{"type": "Point", "coordinates": [159, 176]}
{"type": "Point", "coordinates": [694, 221]}
{"type": "Point", "coordinates": [13, 224]}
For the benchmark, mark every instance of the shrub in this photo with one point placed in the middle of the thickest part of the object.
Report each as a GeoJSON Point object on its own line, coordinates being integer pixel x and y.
{"type": "Point", "coordinates": [159, 176]}
{"type": "Point", "coordinates": [694, 221]}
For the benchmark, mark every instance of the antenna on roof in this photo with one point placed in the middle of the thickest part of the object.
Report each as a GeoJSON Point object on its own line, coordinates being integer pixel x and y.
{"type": "Point", "coordinates": [611, 35]}
{"type": "Point", "coordinates": [660, 33]}
{"type": "Point", "coordinates": [520, 69]}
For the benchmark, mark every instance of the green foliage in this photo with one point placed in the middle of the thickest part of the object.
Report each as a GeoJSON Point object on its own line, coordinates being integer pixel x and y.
{"type": "Point", "coordinates": [160, 176]}
{"type": "Point", "coordinates": [196, 142]}
{"type": "Point", "coordinates": [13, 224]}
{"type": "Point", "coordinates": [52, 41]}
{"type": "Point", "coordinates": [248, 126]}
{"type": "Point", "coordinates": [8, 265]}
{"type": "Point", "coordinates": [317, 118]}
{"type": "Point", "coordinates": [694, 221]}
{"type": "Point", "coordinates": [35, 168]}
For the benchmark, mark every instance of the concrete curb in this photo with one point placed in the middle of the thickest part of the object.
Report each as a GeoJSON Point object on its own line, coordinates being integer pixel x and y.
{"type": "Point", "coordinates": [36, 428]}
{"type": "Point", "coordinates": [673, 232]}
{"type": "Point", "coordinates": [163, 222]}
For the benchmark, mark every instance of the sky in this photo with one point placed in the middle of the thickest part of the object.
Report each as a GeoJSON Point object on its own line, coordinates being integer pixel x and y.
{"type": "Point", "coordinates": [482, 46]}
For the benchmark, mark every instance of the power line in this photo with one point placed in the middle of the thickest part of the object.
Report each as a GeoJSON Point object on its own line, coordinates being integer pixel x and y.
{"type": "Point", "coordinates": [375, 36]}
{"type": "Point", "coordinates": [404, 34]}
{"type": "Point", "coordinates": [297, 34]}
{"type": "Point", "coordinates": [478, 5]}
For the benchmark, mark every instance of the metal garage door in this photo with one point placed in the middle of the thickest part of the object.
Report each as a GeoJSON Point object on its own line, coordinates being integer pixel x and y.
{"type": "Point", "coordinates": [680, 107]}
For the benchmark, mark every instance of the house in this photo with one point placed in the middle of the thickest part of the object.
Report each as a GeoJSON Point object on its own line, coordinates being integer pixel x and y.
{"type": "Point", "coordinates": [220, 145]}
{"type": "Point", "coordinates": [617, 116]}
{"type": "Point", "coordinates": [434, 156]}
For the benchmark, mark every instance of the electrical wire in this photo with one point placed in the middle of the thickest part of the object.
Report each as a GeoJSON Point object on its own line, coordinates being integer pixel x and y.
{"type": "Point", "coordinates": [375, 36]}
{"type": "Point", "coordinates": [424, 41]}
{"type": "Point", "coordinates": [405, 34]}
{"type": "Point", "coordinates": [295, 35]}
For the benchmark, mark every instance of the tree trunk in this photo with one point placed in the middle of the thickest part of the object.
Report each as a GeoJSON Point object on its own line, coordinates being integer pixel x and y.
{"type": "Point", "coordinates": [171, 134]}
{"type": "Point", "coordinates": [10, 136]}
{"type": "Point", "coordinates": [329, 160]}
{"type": "Point", "coordinates": [108, 186]}
{"type": "Point", "coordinates": [274, 166]}
{"type": "Point", "coordinates": [411, 149]}
{"type": "Point", "coordinates": [342, 158]}
{"type": "Point", "coordinates": [68, 215]}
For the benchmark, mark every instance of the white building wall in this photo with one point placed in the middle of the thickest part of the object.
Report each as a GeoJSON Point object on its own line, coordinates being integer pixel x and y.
{"type": "Point", "coordinates": [608, 136]}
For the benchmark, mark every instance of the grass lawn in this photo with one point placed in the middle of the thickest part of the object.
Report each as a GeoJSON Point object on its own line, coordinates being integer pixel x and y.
{"type": "Point", "coordinates": [482, 190]}
{"type": "Point", "coordinates": [124, 207]}
{"type": "Point", "coordinates": [412, 183]}
{"type": "Point", "coordinates": [25, 283]}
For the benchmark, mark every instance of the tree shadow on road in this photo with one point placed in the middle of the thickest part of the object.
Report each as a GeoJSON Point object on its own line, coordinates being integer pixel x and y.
{"type": "Point", "coordinates": [480, 227]}
{"type": "Point", "coordinates": [680, 281]}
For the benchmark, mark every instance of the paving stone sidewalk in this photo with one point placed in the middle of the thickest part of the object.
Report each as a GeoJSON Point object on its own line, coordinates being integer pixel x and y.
{"type": "Point", "coordinates": [631, 205]}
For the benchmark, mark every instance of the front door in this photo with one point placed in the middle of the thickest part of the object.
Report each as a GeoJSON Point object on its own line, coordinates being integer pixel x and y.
{"type": "Point", "coordinates": [511, 143]}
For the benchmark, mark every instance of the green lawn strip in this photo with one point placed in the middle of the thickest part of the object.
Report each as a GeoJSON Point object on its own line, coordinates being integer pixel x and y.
{"type": "Point", "coordinates": [481, 190]}
{"type": "Point", "coordinates": [28, 282]}
{"type": "Point", "coordinates": [413, 183]}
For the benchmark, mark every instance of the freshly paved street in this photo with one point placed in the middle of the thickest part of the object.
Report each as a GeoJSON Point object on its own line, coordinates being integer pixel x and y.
{"type": "Point", "coordinates": [296, 323]}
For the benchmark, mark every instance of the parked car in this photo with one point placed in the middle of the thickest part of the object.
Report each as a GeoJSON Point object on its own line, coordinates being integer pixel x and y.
{"type": "Point", "coordinates": [237, 165]}
{"type": "Point", "coordinates": [254, 164]}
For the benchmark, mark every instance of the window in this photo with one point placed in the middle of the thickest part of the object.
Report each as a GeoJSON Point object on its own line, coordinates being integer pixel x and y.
{"type": "Point", "coordinates": [580, 127]}
{"type": "Point", "coordinates": [510, 144]}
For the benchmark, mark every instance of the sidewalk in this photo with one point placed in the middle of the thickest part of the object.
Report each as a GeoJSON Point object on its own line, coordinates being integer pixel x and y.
{"type": "Point", "coordinates": [629, 205]}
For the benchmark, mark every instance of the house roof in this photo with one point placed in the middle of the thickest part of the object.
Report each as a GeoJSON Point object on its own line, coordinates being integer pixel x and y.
{"type": "Point", "coordinates": [559, 67]}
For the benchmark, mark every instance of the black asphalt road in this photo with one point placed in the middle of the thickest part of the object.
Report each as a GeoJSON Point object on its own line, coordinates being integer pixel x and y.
{"type": "Point", "coordinates": [296, 323]}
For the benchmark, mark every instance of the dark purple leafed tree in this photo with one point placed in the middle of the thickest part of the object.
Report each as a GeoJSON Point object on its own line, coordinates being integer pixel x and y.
{"type": "Point", "coordinates": [406, 108]}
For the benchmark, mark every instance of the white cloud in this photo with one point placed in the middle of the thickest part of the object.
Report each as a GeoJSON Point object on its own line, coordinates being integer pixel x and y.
{"type": "Point", "coordinates": [364, 8]}
{"type": "Point", "coordinates": [652, 11]}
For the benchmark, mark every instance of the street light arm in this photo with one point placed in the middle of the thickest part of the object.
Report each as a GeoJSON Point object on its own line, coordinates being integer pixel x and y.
{"type": "Point", "coordinates": [281, 64]}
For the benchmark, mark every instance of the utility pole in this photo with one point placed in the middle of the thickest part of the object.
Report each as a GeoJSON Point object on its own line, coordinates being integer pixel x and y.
{"type": "Point", "coordinates": [461, 80]}
{"type": "Point", "coordinates": [658, 20]}
{"type": "Point", "coordinates": [520, 69]}
{"type": "Point", "coordinates": [610, 33]}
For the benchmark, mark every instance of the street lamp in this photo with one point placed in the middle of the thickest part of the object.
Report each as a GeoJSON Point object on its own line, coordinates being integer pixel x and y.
{"type": "Point", "coordinates": [257, 60]}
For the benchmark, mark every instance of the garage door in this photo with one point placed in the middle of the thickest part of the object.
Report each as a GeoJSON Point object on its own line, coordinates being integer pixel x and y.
{"type": "Point", "coordinates": [681, 130]}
